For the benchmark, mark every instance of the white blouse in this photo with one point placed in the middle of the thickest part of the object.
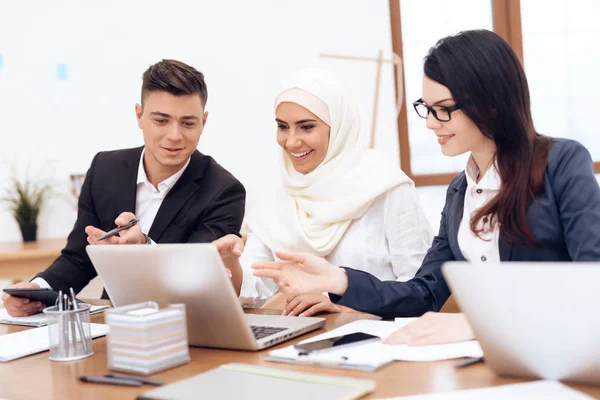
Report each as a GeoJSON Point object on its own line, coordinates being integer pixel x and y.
{"type": "Point", "coordinates": [389, 241]}
{"type": "Point", "coordinates": [474, 248]}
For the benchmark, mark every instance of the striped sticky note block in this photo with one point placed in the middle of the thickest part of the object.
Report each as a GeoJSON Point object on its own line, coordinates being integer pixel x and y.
{"type": "Point", "coordinates": [61, 71]}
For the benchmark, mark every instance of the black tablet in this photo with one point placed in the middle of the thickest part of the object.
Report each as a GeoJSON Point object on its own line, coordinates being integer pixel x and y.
{"type": "Point", "coordinates": [45, 295]}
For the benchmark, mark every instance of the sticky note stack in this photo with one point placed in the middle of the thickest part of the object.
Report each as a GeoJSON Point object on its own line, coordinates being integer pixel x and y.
{"type": "Point", "coordinates": [144, 339]}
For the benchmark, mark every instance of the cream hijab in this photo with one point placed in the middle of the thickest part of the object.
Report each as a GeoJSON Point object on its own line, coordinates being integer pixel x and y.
{"type": "Point", "coordinates": [311, 213]}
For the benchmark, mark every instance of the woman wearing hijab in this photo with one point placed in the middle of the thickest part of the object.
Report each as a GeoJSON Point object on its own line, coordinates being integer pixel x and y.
{"type": "Point", "coordinates": [522, 197]}
{"type": "Point", "coordinates": [337, 199]}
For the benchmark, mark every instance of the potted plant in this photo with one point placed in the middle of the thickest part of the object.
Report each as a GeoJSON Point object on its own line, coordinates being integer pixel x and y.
{"type": "Point", "coordinates": [25, 201]}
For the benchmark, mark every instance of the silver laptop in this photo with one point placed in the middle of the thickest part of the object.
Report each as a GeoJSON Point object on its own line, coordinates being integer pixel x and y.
{"type": "Point", "coordinates": [533, 319]}
{"type": "Point", "coordinates": [192, 274]}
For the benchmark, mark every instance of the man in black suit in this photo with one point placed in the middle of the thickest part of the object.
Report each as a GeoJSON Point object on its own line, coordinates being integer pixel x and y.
{"type": "Point", "coordinates": [178, 194]}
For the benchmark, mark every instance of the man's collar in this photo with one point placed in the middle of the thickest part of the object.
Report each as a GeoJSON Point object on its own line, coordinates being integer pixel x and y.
{"type": "Point", "coordinates": [142, 177]}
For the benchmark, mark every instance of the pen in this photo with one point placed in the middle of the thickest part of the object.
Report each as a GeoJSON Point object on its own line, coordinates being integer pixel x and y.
{"type": "Point", "coordinates": [109, 381]}
{"type": "Point", "coordinates": [118, 229]}
{"type": "Point", "coordinates": [66, 324]}
{"type": "Point", "coordinates": [61, 327]}
{"type": "Point", "coordinates": [71, 328]}
{"type": "Point", "coordinates": [79, 324]}
{"type": "Point", "coordinates": [147, 381]}
{"type": "Point", "coordinates": [469, 361]}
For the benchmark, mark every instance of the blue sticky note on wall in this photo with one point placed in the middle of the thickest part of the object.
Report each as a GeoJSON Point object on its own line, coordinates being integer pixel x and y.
{"type": "Point", "coordinates": [61, 71]}
{"type": "Point", "coordinates": [1, 60]}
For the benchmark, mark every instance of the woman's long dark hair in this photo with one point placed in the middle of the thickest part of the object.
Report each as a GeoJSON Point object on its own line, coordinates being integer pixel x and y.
{"type": "Point", "coordinates": [486, 78]}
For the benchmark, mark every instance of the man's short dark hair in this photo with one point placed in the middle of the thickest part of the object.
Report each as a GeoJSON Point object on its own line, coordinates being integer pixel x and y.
{"type": "Point", "coordinates": [174, 77]}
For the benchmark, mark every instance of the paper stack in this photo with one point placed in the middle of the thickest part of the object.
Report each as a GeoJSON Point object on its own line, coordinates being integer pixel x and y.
{"type": "Point", "coordinates": [31, 341]}
{"type": "Point", "coordinates": [145, 340]}
{"type": "Point", "coordinates": [38, 319]}
{"type": "Point", "coordinates": [371, 356]}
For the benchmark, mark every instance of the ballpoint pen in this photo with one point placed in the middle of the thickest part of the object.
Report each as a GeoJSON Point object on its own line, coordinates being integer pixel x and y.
{"type": "Point", "coordinates": [110, 381]}
{"type": "Point", "coordinates": [469, 361]}
{"type": "Point", "coordinates": [72, 329]}
{"type": "Point", "coordinates": [65, 298]}
{"type": "Point", "coordinates": [118, 229]}
{"type": "Point", "coordinates": [61, 328]}
{"type": "Point", "coordinates": [147, 381]}
{"type": "Point", "coordinates": [79, 324]}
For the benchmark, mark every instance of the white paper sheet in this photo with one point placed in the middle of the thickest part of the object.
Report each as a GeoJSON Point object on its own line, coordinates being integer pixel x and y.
{"type": "Point", "coordinates": [34, 340]}
{"type": "Point", "coordinates": [377, 353]}
{"type": "Point", "coordinates": [538, 390]}
{"type": "Point", "coordinates": [38, 319]}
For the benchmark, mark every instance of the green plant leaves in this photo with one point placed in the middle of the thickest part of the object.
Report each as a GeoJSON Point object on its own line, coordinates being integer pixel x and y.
{"type": "Point", "coordinates": [25, 200]}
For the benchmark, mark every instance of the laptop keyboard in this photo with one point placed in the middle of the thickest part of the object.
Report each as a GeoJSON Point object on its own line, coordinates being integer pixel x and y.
{"type": "Point", "coordinates": [264, 331]}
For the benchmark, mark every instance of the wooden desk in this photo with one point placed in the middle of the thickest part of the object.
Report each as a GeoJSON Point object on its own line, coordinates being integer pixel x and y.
{"type": "Point", "coordinates": [22, 261]}
{"type": "Point", "coordinates": [36, 377]}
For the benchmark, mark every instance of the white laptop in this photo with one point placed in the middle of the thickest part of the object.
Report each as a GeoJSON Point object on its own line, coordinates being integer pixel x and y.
{"type": "Point", "coordinates": [192, 274]}
{"type": "Point", "coordinates": [533, 319]}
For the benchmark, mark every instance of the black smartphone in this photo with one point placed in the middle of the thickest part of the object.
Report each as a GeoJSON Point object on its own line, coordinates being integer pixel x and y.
{"type": "Point", "coordinates": [45, 295]}
{"type": "Point", "coordinates": [337, 342]}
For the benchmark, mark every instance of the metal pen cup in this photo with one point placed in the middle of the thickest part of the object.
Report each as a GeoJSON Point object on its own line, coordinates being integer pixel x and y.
{"type": "Point", "coordinates": [70, 333]}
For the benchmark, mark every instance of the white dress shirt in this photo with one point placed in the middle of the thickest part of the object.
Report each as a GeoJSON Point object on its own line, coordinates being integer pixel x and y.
{"type": "Point", "coordinates": [389, 241]}
{"type": "Point", "coordinates": [147, 200]}
{"type": "Point", "coordinates": [474, 248]}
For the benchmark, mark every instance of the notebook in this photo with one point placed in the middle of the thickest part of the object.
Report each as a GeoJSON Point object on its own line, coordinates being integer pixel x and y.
{"type": "Point", "coordinates": [38, 319]}
{"type": "Point", "coordinates": [371, 356]}
{"type": "Point", "coordinates": [260, 383]}
{"type": "Point", "coordinates": [538, 390]}
{"type": "Point", "coordinates": [32, 341]}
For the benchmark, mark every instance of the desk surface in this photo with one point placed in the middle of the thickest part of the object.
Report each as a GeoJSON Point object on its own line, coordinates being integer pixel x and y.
{"type": "Point", "coordinates": [36, 377]}
{"type": "Point", "coordinates": [10, 251]}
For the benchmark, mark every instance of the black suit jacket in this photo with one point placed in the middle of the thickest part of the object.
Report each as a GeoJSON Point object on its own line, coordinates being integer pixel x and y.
{"type": "Point", "coordinates": [564, 218]}
{"type": "Point", "coordinates": [206, 203]}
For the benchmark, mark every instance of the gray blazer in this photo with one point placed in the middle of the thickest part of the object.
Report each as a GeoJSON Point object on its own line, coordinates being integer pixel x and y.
{"type": "Point", "coordinates": [565, 219]}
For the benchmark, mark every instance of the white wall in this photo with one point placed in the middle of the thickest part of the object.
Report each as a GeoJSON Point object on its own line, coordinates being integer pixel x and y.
{"type": "Point", "coordinates": [245, 48]}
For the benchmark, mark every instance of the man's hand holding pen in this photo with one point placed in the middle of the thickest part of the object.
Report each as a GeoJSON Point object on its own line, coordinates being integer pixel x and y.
{"type": "Point", "coordinates": [132, 234]}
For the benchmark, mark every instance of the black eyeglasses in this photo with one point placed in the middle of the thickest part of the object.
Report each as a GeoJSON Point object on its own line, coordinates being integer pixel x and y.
{"type": "Point", "coordinates": [441, 113]}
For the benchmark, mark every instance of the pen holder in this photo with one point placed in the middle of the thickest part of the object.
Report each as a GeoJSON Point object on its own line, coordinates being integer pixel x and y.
{"type": "Point", "coordinates": [70, 333]}
{"type": "Point", "coordinates": [144, 339]}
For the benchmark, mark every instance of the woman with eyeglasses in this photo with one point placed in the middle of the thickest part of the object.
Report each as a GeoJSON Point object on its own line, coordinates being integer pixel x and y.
{"type": "Point", "coordinates": [522, 197]}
